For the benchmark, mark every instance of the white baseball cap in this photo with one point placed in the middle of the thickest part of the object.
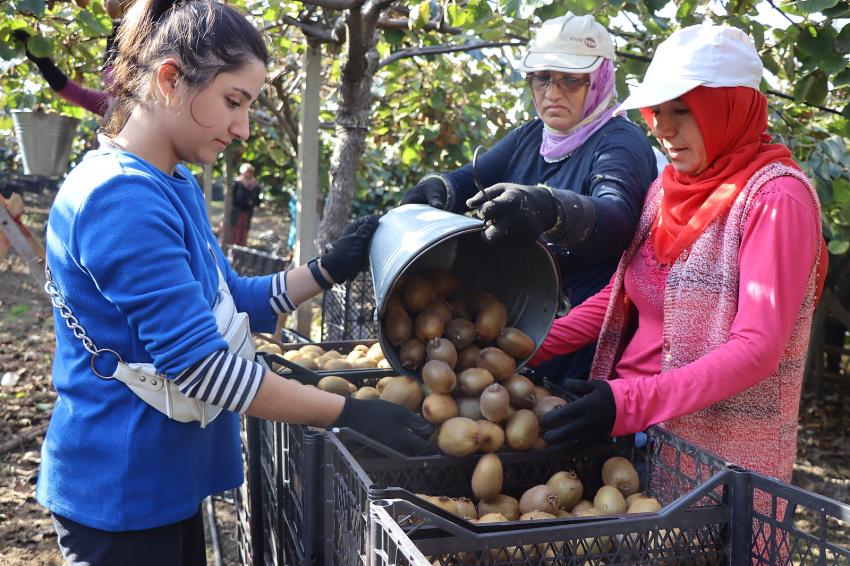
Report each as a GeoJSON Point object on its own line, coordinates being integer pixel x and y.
{"type": "Point", "coordinates": [568, 44]}
{"type": "Point", "coordinates": [701, 55]}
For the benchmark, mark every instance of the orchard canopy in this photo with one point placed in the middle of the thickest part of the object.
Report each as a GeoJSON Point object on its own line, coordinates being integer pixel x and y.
{"type": "Point", "coordinates": [410, 88]}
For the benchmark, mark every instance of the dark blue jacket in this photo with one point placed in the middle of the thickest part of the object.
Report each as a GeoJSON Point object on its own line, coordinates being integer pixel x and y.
{"type": "Point", "coordinates": [614, 166]}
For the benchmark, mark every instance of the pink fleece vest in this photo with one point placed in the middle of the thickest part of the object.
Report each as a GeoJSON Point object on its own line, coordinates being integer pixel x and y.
{"type": "Point", "coordinates": [756, 428]}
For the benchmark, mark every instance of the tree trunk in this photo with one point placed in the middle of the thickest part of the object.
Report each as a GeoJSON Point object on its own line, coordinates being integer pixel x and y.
{"type": "Point", "coordinates": [352, 125]}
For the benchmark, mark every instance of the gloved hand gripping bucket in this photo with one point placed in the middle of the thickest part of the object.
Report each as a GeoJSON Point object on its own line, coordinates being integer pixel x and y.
{"type": "Point", "coordinates": [414, 237]}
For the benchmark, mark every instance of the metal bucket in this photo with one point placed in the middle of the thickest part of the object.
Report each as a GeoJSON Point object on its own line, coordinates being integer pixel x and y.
{"type": "Point", "coordinates": [45, 140]}
{"type": "Point", "coordinates": [415, 236]}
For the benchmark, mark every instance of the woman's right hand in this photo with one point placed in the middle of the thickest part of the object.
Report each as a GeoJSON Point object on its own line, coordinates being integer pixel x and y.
{"type": "Point", "coordinates": [430, 191]}
{"type": "Point", "coordinates": [350, 253]}
{"type": "Point", "coordinates": [389, 424]}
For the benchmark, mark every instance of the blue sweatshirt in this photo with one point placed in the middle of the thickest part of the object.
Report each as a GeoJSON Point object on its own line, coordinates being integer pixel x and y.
{"type": "Point", "coordinates": [615, 167]}
{"type": "Point", "coordinates": [132, 251]}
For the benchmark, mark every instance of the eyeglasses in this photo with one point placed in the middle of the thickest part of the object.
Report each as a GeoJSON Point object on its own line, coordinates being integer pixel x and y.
{"type": "Point", "coordinates": [540, 83]}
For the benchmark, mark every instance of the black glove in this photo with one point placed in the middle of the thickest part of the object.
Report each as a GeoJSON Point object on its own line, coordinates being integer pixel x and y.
{"type": "Point", "coordinates": [520, 213]}
{"type": "Point", "coordinates": [350, 253]}
{"type": "Point", "coordinates": [51, 73]}
{"type": "Point", "coordinates": [587, 420]}
{"type": "Point", "coordinates": [430, 191]}
{"type": "Point", "coordinates": [389, 424]}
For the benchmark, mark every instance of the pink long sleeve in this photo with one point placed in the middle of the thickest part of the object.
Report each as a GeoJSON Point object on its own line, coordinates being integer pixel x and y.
{"type": "Point", "coordinates": [577, 329]}
{"type": "Point", "coordinates": [96, 101]}
{"type": "Point", "coordinates": [777, 252]}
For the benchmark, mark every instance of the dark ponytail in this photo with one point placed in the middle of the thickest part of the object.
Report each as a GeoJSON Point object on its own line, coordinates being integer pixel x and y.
{"type": "Point", "coordinates": [209, 38]}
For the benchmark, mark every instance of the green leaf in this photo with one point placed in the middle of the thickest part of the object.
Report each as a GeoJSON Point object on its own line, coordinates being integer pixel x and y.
{"type": "Point", "coordinates": [838, 247]}
{"type": "Point", "coordinates": [812, 88]}
{"type": "Point", "coordinates": [816, 43]}
{"type": "Point", "coordinates": [846, 112]}
{"type": "Point", "coordinates": [394, 37]}
{"type": "Point", "coordinates": [11, 50]}
{"type": "Point", "coordinates": [34, 7]}
{"type": "Point", "coordinates": [39, 46]}
{"type": "Point", "coordinates": [409, 155]}
{"type": "Point", "coordinates": [842, 41]}
{"type": "Point", "coordinates": [509, 8]}
{"type": "Point", "coordinates": [90, 24]}
{"type": "Point", "coordinates": [811, 6]}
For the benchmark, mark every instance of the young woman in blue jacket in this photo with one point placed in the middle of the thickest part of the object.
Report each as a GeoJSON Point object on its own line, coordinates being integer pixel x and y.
{"type": "Point", "coordinates": [575, 175]}
{"type": "Point", "coordinates": [153, 362]}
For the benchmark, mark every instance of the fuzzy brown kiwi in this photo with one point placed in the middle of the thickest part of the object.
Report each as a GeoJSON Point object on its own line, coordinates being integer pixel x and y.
{"type": "Point", "coordinates": [437, 408]}
{"type": "Point", "coordinates": [460, 309]}
{"type": "Point", "coordinates": [367, 393]}
{"type": "Point", "coordinates": [494, 403]}
{"type": "Point", "coordinates": [620, 473]}
{"type": "Point", "coordinates": [466, 508]}
{"type": "Point", "coordinates": [644, 505]}
{"type": "Point", "coordinates": [469, 407]}
{"type": "Point", "coordinates": [522, 392]}
{"type": "Point", "coordinates": [503, 504]}
{"type": "Point", "coordinates": [609, 500]}
{"type": "Point", "coordinates": [477, 300]}
{"type": "Point", "coordinates": [472, 381]}
{"type": "Point", "coordinates": [458, 436]}
{"type": "Point", "coordinates": [460, 332]}
{"type": "Point", "coordinates": [440, 308]}
{"type": "Point", "coordinates": [496, 362]}
{"type": "Point", "coordinates": [539, 498]}
{"type": "Point", "coordinates": [568, 487]}
{"type": "Point", "coordinates": [412, 354]}
{"type": "Point", "coordinates": [398, 326]}
{"type": "Point", "coordinates": [428, 325]}
{"type": "Point", "coordinates": [441, 349]}
{"type": "Point", "coordinates": [547, 404]}
{"type": "Point", "coordinates": [403, 391]}
{"type": "Point", "coordinates": [515, 342]}
{"type": "Point", "coordinates": [335, 384]}
{"type": "Point", "coordinates": [466, 358]}
{"type": "Point", "coordinates": [418, 293]}
{"type": "Point", "coordinates": [522, 429]}
{"type": "Point", "coordinates": [446, 284]}
{"type": "Point", "coordinates": [439, 377]}
{"type": "Point", "coordinates": [490, 321]}
{"type": "Point", "coordinates": [487, 477]}
{"type": "Point", "coordinates": [491, 437]}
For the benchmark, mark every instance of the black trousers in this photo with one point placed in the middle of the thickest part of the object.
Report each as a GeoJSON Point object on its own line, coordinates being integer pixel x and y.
{"type": "Point", "coordinates": [179, 544]}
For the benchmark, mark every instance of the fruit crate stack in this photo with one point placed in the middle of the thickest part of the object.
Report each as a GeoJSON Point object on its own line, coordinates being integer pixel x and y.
{"type": "Point", "coordinates": [770, 534]}
{"type": "Point", "coordinates": [690, 484]}
{"type": "Point", "coordinates": [289, 461]}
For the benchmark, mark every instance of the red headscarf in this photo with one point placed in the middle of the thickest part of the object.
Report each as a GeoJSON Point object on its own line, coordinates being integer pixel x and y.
{"type": "Point", "coordinates": [733, 124]}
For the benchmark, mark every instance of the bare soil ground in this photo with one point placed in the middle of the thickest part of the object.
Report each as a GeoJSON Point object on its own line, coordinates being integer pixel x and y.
{"type": "Point", "coordinates": [26, 400]}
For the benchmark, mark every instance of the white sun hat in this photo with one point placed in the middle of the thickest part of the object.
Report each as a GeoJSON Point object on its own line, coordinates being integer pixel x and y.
{"type": "Point", "coordinates": [568, 44]}
{"type": "Point", "coordinates": [701, 55]}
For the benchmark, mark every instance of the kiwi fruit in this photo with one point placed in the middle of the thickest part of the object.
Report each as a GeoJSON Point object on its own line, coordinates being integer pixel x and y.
{"type": "Point", "coordinates": [382, 383]}
{"type": "Point", "coordinates": [473, 381]}
{"type": "Point", "coordinates": [568, 488]}
{"type": "Point", "coordinates": [493, 518]}
{"type": "Point", "coordinates": [437, 408]}
{"type": "Point", "coordinates": [398, 326]}
{"type": "Point", "coordinates": [439, 308]}
{"type": "Point", "coordinates": [521, 430]}
{"type": "Point", "coordinates": [466, 508]}
{"type": "Point", "coordinates": [539, 498]}
{"type": "Point", "coordinates": [536, 516]}
{"type": "Point", "coordinates": [446, 284]}
{"type": "Point", "coordinates": [496, 362]}
{"type": "Point", "coordinates": [367, 393]}
{"type": "Point", "coordinates": [445, 503]}
{"type": "Point", "coordinates": [515, 342]}
{"type": "Point", "coordinates": [354, 355]}
{"type": "Point", "coordinates": [620, 473]}
{"type": "Point", "coordinates": [403, 391]}
{"type": "Point", "coordinates": [313, 349]}
{"type": "Point", "coordinates": [546, 404]}
{"type": "Point", "coordinates": [487, 477]}
{"type": "Point", "coordinates": [384, 364]}
{"type": "Point", "coordinates": [580, 507]}
{"type": "Point", "coordinates": [288, 355]}
{"type": "Point", "coordinates": [467, 357]}
{"type": "Point", "coordinates": [491, 437]}
{"type": "Point", "coordinates": [460, 310]}
{"type": "Point", "coordinates": [521, 390]}
{"type": "Point", "coordinates": [502, 504]}
{"type": "Point", "coordinates": [541, 392]}
{"type": "Point", "coordinates": [477, 300]}
{"type": "Point", "coordinates": [609, 500]}
{"type": "Point", "coordinates": [490, 321]}
{"type": "Point", "coordinates": [563, 513]}
{"type": "Point", "coordinates": [439, 377]}
{"type": "Point", "coordinates": [539, 443]}
{"type": "Point", "coordinates": [587, 511]}
{"type": "Point", "coordinates": [375, 353]}
{"type": "Point", "coordinates": [470, 408]}
{"type": "Point", "coordinates": [336, 364]}
{"type": "Point", "coordinates": [418, 293]}
{"type": "Point", "coordinates": [305, 361]}
{"type": "Point", "coordinates": [412, 354]}
{"type": "Point", "coordinates": [458, 436]}
{"type": "Point", "coordinates": [428, 325]}
{"type": "Point", "coordinates": [494, 403]}
{"type": "Point", "coordinates": [441, 349]}
{"type": "Point", "coordinates": [335, 384]}
{"type": "Point", "coordinates": [363, 363]}
{"type": "Point", "coordinates": [636, 495]}
{"type": "Point", "coordinates": [644, 505]}
{"type": "Point", "coordinates": [460, 332]}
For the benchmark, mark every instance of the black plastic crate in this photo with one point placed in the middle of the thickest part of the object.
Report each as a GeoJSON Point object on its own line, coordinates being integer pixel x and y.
{"type": "Point", "coordinates": [247, 497]}
{"type": "Point", "coordinates": [686, 480]}
{"type": "Point", "coordinates": [348, 310]}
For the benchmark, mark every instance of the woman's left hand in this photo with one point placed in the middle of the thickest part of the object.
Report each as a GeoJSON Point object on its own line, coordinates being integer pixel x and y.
{"type": "Point", "coordinates": [520, 213]}
{"type": "Point", "coordinates": [587, 420]}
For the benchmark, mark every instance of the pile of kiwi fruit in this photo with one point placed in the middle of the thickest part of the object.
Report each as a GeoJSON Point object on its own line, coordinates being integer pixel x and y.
{"type": "Point", "coordinates": [561, 496]}
{"type": "Point", "coordinates": [316, 358]}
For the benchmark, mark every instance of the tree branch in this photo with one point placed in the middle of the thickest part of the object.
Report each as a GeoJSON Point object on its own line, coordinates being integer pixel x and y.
{"type": "Point", "coordinates": [336, 4]}
{"type": "Point", "coordinates": [786, 16]}
{"type": "Point", "coordinates": [281, 120]}
{"type": "Point", "coordinates": [439, 49]}
{"type": "Point", "coordinates": [789, 97]}
{"type": "Point", "coordinates": [313, 30]}
{"type": "Point", "coordinates": [402, 24]}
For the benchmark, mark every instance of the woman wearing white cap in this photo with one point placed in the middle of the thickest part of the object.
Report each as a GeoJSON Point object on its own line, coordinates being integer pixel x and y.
{"type": "Point", "coordinates": [577, 176]}
{"type": "Point", "coordinates": [705, 325]}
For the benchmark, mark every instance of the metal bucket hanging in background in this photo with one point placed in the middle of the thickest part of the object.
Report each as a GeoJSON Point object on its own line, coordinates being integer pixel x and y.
{"type": "Point", "coordinates": [45, 140]}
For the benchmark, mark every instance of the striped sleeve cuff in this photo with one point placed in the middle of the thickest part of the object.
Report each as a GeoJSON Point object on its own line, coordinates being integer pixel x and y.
{"type": "Point", "coordinates": [279, 300]}
{"type": "Point", "coordinates": [222, 379]}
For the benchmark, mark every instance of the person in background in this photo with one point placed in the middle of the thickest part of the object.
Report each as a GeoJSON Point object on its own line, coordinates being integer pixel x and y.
{"type": "Point", "coordinates": [246, 196]}
{"type": "Point", "coordinates": [576, 175]}
{"type": "Point", "coordinates": [154, 361]}
{"type": "Point", "coordinates": [705, 325]}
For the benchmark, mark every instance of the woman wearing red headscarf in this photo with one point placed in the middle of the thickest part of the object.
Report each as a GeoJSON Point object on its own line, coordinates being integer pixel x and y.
{"type": "Point", "coordinates": [705, 325]}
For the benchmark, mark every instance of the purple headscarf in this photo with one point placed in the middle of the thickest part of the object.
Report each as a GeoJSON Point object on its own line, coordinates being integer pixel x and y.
{"type": "Point", "coordinates": [599, 106]}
